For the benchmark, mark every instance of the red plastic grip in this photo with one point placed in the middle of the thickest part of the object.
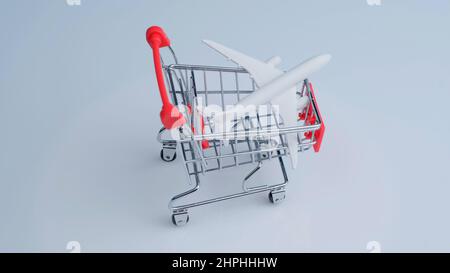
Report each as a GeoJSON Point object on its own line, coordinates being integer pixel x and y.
{"type": "Point", "coordinates": [170, 115]}
{"type": "Point", "coordinates": [318, 134]}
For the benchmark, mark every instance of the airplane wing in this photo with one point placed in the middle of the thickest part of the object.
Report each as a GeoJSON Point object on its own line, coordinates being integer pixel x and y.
{"type": "Point", "coordinates": [261, 72]}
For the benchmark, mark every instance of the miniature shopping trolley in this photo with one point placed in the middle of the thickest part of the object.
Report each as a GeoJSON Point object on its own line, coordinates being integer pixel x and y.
{"type": "Point", "coordinates": [254, 140]}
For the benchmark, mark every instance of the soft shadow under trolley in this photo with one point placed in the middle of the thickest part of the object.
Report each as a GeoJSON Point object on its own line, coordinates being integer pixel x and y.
{"type": "Point", "coordinates": [205, 152]}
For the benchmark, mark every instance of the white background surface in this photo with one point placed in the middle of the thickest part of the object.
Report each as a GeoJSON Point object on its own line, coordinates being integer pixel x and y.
{"type": "Point", "coordinates": [79, 113]}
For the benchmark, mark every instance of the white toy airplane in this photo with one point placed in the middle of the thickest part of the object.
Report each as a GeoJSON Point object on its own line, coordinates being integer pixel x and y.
{"type": "Point", "coordinates": [274, 86]}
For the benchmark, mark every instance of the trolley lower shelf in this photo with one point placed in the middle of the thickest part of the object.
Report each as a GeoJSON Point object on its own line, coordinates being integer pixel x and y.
{"type": "Point", "coordinates": [180, 215]}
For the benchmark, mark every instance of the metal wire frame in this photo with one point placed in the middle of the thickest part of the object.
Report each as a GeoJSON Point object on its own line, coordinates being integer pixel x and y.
{"type": "Point", "coordinates": [245, 148]}
{"type": "Point", "coordinates": [188, 83]}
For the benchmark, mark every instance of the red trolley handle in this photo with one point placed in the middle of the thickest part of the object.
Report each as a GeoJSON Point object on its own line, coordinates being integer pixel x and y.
{"type": "Point", "coordinates": [170, 115]}
{"type": "Point", "coordinates": [318, 134]}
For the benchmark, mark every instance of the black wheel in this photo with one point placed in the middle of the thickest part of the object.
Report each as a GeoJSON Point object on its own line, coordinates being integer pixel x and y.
{"type": "Point", "coordinates": [277, 197]}
{"type": "Point", "coordinates": [167, 158]}
{"type": "Point", "coordinates": [175, 222]}
{"type": "Point", "coordinates": [271, 197]}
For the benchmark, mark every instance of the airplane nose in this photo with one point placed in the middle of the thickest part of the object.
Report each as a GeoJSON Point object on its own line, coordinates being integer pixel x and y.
{"type": "Point", "coordinates": [324, 58]}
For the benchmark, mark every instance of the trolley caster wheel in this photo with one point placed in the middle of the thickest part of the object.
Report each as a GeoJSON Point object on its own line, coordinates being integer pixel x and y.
{"type": "Point", "coordinates": [168, 155]}
{"type": "Point", "coordinates": [180, 219]}
{"type": "Point", "coordinates": [277, 196]}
